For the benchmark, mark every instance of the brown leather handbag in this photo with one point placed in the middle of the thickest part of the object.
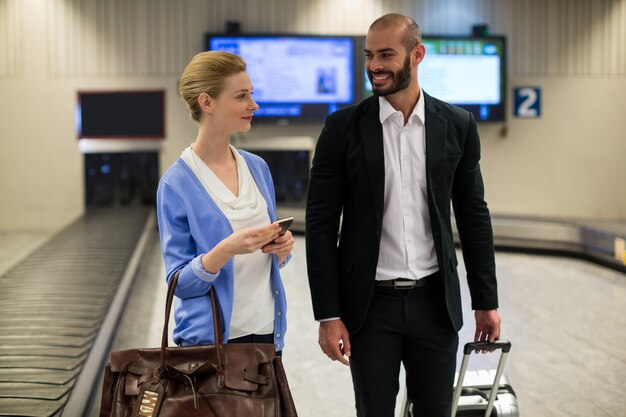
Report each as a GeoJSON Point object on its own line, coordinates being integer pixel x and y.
{"type": "Point", "coordinates": [221, 380]}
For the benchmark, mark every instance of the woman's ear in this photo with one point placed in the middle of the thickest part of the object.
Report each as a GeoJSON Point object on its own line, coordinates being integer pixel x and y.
{"type": "Point", "coordinates": [205, 102]}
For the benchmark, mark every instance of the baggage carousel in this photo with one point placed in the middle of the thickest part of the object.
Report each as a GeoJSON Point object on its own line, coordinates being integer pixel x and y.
{"type": "Point", "coordinates": [59, 309]}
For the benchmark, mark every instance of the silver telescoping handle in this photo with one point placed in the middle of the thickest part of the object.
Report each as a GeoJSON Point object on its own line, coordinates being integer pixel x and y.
{"type": "Point", "coordinates": [467, 350]}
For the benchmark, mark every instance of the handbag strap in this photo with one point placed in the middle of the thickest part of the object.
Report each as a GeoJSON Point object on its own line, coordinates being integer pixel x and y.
{"type": "Point", "coordinates": [217, 324]}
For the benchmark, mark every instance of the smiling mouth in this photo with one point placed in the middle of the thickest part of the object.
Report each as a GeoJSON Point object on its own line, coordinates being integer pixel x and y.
{"type": "Point", "coordinates": [380, 77]}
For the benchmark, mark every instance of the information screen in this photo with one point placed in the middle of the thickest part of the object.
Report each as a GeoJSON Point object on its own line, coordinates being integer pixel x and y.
{"type": "Point", "coordinates": [295, 76]}
{"type": "Point", "coordinates": [462, 71]}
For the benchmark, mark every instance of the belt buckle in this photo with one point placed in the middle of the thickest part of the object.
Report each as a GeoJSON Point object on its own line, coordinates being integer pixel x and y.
{"type": "Point", "coordinates": [403, 285]}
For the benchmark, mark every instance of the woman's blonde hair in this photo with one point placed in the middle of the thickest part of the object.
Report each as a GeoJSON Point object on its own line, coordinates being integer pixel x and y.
{"type": "Point", "coordinates": [206, 73]}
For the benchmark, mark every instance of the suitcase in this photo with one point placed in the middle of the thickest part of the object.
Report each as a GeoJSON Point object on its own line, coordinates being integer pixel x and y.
{"type": "Point", "coordinates": [485, 392]}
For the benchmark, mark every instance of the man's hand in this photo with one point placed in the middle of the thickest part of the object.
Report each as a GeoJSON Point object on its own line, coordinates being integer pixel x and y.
{"type": "Point", "coordinates": [335, 341]}
{"type": "Point", "coordinates": [487, 326]}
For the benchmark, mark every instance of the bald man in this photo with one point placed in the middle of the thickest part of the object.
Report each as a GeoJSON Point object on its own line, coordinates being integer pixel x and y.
{"type": "Point", "coordinates": [388, 292]}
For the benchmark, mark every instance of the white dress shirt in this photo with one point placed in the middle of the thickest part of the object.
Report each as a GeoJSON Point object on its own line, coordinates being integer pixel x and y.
{"type": "Point", "coordinates": [407, 249]}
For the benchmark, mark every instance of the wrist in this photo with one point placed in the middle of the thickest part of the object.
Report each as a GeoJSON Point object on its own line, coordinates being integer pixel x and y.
{"type": "Point", "coordinates": [215, 259]}
{"type": "Point", "coordinates": [206, 264]}
{"type": "Point", "coordinates": [225, 249]}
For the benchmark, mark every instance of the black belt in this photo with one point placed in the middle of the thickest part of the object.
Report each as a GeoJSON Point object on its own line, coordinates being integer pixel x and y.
{"type": "Point", "coordinates": [406, 283]}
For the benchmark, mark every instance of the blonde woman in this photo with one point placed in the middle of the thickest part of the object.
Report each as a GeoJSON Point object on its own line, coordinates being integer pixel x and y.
{"type": "Point", "coordinates": [217, 215]}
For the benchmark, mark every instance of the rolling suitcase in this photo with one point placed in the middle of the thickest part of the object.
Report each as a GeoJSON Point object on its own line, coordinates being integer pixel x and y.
{"type": "Point", "coordinates": [484, 393]}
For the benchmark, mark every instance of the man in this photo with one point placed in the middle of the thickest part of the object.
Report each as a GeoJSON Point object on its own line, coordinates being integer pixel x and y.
{"type": "Point", "coordinates": [388, 293]}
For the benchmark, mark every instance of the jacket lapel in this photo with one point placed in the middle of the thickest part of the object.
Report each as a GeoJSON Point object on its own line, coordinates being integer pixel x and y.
{"type": "Point", "coordinates": [436, 131]}
{"type": "Point", "coordinates": [371, 132]}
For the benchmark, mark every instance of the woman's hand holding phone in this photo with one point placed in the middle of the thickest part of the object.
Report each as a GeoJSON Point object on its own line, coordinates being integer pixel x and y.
{"type": "Point", "coordinates": [271, 239]}
{"type": "Point", "coordinates": [284, 224]}
{"type": "Point", "coordinates": [238, 243]}
{"type": "Point", "coordinates": [283, 244]}
{"type": "Point", "coordinates": [252, 239]}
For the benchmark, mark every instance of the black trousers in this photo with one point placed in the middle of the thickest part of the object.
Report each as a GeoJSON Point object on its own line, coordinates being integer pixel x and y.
{"type": "Point", "coordinates": [256, 338]}
{"type": "Point", "coordinates": [253, 338]}
{"type": "Point", "coordinates": [410, 327]}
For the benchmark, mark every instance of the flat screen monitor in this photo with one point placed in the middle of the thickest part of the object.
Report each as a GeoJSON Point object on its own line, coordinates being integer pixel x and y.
{"type": "Point", "coordinates": [469, 72]}
{"type": "Point", "coordinates": [295, 77]}
{"type": "Point", "coordinates": [290, 174]}
{"type": "Point", "coordinates": [121, 114]}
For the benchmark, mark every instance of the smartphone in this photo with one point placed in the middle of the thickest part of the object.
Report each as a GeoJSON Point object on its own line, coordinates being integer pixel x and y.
{"type": "Point", "coordinates": [284, 224]}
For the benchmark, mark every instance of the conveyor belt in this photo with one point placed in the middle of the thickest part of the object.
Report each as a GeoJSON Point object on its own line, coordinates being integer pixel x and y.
{"type": "Point", "coordinates": [595, 242]}
{"type": "Point", "coordinates": [53, 304]}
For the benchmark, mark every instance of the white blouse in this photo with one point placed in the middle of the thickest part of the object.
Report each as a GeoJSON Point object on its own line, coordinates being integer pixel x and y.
{"type": "Point", "coordinates": [253, 304]}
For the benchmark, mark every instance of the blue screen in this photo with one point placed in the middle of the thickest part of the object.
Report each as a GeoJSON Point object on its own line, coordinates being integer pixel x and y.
{"type": "Point", "coordinates": [295, 76]}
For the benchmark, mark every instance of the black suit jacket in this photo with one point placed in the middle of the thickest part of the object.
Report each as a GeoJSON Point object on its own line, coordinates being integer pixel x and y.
{"type": "Point", "coordinates": [347, 176]}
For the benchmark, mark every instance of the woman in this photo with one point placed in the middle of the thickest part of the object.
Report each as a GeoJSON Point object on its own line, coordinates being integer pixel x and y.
{"type": "Point", "coordinates": [216, 212]}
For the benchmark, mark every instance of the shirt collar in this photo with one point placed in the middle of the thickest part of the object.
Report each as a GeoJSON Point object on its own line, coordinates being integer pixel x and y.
{"type": "Point", "coordinates": [386, 109]}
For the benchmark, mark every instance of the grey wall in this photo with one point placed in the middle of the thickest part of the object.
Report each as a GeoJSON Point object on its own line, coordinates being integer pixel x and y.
{"type": "Point", "coordinates": [569, 163]}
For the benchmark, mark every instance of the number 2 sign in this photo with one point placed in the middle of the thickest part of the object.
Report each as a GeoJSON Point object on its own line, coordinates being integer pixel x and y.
{"type": "Point", "coordinates": [527, 102]}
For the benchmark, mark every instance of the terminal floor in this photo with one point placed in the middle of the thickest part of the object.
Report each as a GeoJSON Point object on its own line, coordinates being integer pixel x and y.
{"type": "Point", "coordinates": [566, 319]}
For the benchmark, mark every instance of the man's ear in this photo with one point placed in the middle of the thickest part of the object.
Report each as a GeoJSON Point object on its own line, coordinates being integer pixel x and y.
{"type": "Point", "coordinates": [418, 53]}
{"type": "Point", "coordinates": [205, 102]}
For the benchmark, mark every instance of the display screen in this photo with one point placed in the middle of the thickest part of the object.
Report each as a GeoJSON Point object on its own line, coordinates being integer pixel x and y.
{"type": "Point", "coordinates": [468, 72]}
{"type": "Point", "coordinates": [121, 114]}
{"type": "Point", "coordinates": [295, 77]}
{"type": "Point", "coordinates": [290, 174]}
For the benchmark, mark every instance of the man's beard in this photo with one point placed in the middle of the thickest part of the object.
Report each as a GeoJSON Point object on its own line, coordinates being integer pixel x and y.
{"type": "Point", "coordinates": [401, 80]}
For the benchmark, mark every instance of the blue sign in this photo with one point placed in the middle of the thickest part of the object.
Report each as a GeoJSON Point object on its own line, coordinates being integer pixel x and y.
{"type": "Point", "coordinates": [527, 102]}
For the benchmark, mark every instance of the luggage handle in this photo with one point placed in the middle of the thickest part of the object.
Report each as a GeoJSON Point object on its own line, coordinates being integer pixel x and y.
{"type": "Point", "coordinates": [498, 344]}
{"type": "Point", "coordinates": [505, 346]}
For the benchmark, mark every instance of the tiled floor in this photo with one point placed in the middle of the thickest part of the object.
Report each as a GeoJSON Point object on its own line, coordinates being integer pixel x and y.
{"type": "Point", "coordinates": [566, 319]}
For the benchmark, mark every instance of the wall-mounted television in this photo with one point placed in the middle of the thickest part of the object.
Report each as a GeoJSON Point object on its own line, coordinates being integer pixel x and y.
{"type": "Point", "coordinates": [469, 72]}
{"type": "Point", "coordinates": [295, 77]}
{"type": "Point", "coordinates": [129, 114]}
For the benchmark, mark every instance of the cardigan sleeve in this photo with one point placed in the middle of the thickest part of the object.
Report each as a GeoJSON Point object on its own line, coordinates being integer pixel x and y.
{"type": "Point", "coordinates": [178, 246]}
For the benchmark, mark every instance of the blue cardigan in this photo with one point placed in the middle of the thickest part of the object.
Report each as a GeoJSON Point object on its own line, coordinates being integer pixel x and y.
{"type": "Point", "coordinates": [191, 224]}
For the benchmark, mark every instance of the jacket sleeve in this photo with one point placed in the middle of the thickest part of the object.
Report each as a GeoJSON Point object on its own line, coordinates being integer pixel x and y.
{"type": "Point", "coordinates": [178, 246]}
{"type": "Point", "coordinates": [474, 224]}
{"type": "Point", "coordinates": [323, 212]}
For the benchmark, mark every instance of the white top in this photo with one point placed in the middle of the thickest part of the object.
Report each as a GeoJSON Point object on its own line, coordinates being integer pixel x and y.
{"type": "Point", "coordinates": [407, 249]}
{"type": "Point", "coordinates": [253, 304]}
